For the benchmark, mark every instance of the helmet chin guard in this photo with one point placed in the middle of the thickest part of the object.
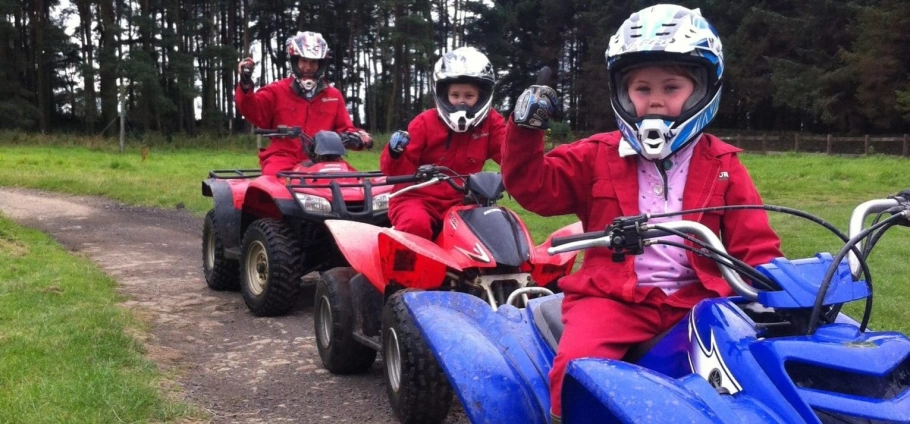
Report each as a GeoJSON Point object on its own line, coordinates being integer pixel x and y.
{"type": "Point", "coordinates": [656, 136]}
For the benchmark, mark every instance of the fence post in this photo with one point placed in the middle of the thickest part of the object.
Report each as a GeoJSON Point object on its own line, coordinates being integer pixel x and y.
{"type": "Point", "coordinates": [736, 140]}
{"type": "Point", "coordinates": [764, 144]}
{"type": "Point", "coordinates": [906, 145]}
{"type": "Point", "coordinates": [866, 145]}
{"type": "Point", "coordinates": [796, 142]}
{"type": "Point", "coordinates": [829, 145]}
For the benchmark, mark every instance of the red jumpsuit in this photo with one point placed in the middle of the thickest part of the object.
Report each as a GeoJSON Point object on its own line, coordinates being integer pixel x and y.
{"type": "Point", "coordinates": [604, 311]}
{"type": "Point", "coordinates": [433, 142]}
{"type": "Point", "coordinates": [277, 104]}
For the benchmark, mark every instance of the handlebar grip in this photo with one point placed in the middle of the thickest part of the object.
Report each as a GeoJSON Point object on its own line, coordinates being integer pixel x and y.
{"type": "Point", "coordinates": [400, 179]}
{"type": "Point", "coordinates": [559, 241]}
{"type": "Point", "coordinates": [263, 131]}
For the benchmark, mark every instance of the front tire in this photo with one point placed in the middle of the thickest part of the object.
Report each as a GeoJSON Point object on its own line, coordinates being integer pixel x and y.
{"type": "Point", "coordinates": [220, 272]}
{"type": "Point", "coordinates": [334, 325]}
{"type": "Point", "coordinates": [418, 390]}
{"type": "Point", "coordinates": [271, 268]}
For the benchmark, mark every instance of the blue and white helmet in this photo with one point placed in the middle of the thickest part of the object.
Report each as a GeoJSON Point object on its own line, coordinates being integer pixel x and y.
{"type": "Point", "coordinates": [666, 35]}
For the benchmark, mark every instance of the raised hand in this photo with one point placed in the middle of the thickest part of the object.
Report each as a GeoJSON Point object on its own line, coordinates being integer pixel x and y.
{"type": "Point", "coordinates": [245, 69]}
{"type": "Point", "coordinates": [398, 142]}
{"type": "Point", "coordinates": [537, 104]}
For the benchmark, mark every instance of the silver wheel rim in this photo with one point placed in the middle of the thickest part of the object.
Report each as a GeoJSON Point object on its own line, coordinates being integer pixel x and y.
{"type": "Point", "coordinates": [325, 322]}
{"type": "Point", "coordinates": [392, 356]}
{"type": "Point", "coordinates": [210, 250]}
{"type": "Point", "coordinates": [257, 258]}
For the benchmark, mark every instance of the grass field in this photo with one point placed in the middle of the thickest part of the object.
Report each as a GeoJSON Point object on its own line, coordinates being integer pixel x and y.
{"type": "Point", "coordinates": [44, 330]}
{"type": "Point", "coordinates": [67, 354]}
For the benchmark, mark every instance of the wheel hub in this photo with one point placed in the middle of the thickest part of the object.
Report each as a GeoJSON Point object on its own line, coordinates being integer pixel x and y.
{"type": "Point", "coordinates": [392, 356]}
{"type": "Point", "coordinates": [257, 268]}
{"type": "Point", "coordinates": [325, 322]}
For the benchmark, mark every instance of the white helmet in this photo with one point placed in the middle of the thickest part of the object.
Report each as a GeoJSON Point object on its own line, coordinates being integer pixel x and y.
{"type": "Point", "coordinates": [308, 45]}
{"type": "Point", "coordinates": [666, 35]}
{"type": "Point", "coordinates": [463, 65]}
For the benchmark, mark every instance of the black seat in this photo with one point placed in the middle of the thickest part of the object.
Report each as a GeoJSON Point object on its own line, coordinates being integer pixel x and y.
{"type": "Point", "coordinates": [548, 319]}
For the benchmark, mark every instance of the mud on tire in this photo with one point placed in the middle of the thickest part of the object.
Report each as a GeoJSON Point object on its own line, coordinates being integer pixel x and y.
{"type": "Point", "coordinates": [221, 273]}
{"type": "Point", "coordinates": [270, 268]}
{"type": "Point", "coordinates": [418, 390]}
{"type": "Point", "coordinates": [334, 324]}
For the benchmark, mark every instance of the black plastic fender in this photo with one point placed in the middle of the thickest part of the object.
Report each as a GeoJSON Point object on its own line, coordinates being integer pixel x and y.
{"type": "Point", "coordinates": [225, 214]}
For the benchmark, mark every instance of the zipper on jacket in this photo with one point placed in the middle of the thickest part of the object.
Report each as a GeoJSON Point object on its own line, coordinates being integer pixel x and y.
{"type": "Point", "coordinates": [661, 169]}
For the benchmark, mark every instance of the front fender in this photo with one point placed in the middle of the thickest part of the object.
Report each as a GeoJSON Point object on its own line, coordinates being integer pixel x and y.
{"type": "Point", "coordinates": [550, 267]}
{"type": "Point", "coordinates": [602, 390]}
{"type": "Point", "coordinates": [491, 359]}
{"type": "Point", "coordinates": [227, 198]}
{"type": "Point", "coordinates": [384, 255]}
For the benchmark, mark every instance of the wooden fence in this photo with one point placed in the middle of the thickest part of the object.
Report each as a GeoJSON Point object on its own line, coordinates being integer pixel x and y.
{"type": "Point", "coordinates": [828, 144]}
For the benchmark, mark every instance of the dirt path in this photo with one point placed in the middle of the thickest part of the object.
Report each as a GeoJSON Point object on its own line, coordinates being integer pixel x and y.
{"type": "Point", "coordinates": [241, 368]}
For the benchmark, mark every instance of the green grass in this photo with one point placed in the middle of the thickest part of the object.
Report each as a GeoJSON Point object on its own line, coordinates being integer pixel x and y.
{"type": "Point", "coordinates": [66, 354]}
{"type": "Point", "coordinates": [171, 173]}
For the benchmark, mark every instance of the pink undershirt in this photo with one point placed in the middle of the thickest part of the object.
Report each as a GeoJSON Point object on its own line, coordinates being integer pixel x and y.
{"type": "Point", "coordinates": [662, 266]}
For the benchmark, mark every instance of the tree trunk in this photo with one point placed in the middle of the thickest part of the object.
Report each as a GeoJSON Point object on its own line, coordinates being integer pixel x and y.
{"type": "Point", "coordinates": [90, 112]}
{"type": "Point", "coordinates": [107, 65]}
{"type": "Point", "coordinates": [43, 68]}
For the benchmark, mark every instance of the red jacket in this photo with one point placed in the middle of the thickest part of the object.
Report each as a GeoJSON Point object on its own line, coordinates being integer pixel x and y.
{"type": "Point", "coordinates": [589, 179]}
{"type": "Point", "coordinates": [278, 104]}
{"type": "Point", "coordinates": [430, 143]}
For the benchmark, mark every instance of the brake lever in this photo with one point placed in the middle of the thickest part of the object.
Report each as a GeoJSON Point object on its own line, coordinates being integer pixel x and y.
{"type": "Point", "coordinates": [626, 236]}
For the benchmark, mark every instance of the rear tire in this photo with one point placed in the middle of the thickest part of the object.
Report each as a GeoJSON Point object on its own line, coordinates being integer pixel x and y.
{"type": "Point", "coordinates": [271, 268]}
{"type": "Point", "coordinates": [334, 325]}
{"type": "Point", "coordinates": [418, 390]}
{"type": "Point", "coordinates": [220, 272]}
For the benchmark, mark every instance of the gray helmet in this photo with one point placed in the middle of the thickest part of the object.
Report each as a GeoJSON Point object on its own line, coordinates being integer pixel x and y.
{"type": "Point", "coordinates": [463, 65]}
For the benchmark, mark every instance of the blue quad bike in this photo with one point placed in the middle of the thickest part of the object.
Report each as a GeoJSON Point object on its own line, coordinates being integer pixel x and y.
{"type": "Point", "coordinates": [778, 352]}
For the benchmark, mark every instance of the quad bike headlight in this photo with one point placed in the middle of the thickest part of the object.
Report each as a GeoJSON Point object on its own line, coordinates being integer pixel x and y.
{"type": "Point", "coordinates": [314, 204]}
{"type": "Point", "coordinates": [381, 202]}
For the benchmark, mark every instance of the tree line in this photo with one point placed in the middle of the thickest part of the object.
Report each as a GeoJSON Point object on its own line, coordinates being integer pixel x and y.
{"type": "Point", "coordinates": [813, 65]}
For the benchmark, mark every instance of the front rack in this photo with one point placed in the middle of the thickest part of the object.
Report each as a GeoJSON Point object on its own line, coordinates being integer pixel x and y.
{"type": "Point", "coordinates": [235, 174]}
{"type": "Point", "coordinates": [329, 180]}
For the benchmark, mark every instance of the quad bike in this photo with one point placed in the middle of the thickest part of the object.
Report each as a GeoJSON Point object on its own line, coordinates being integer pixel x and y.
{"type": "Point", "coordinates": [483, 250]}
{"type": "Point", "coordinates": [266, 232]}
{"type": "Point", "coordinates": [779, 352]}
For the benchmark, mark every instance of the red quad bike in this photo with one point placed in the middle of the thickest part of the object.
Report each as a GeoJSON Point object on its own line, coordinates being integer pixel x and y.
{"type": "Point", "coordinates": [482, 249]}
{"type": "Point", "coordinates": [266, 232]}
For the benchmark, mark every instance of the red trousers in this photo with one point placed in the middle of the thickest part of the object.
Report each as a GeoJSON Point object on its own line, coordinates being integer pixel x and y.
{"type": "Point", "coordinates": [414, 216]}
{"type": "Point", "coordinates": [607, 328]}
{"type": "Point", "coordinates": [274, 163]}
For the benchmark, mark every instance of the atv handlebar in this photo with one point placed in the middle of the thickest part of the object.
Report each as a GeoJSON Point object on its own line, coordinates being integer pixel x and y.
{"type": "Point", "coordinates": [894, 204]}
{"type": "Point", "coordinates": [426, 175]}
{"type": "Point", "coordinates": [631, 235]}
{"type": "Point", "coordinates": [282, 131]}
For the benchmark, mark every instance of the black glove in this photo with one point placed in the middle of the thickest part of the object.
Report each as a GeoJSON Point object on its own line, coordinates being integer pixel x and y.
{"type": "Point", "coordinates": [245, 69]}
{"type": "Point", "coordinates": [357, 140]}
{"type": "Point", "coordinates": [535, 106]}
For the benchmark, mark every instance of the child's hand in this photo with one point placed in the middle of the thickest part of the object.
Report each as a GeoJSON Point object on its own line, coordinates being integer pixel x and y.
{"type": "Point", "coordinates": [399, 141]}
{"type": "Point", "coordinates": [535, 107]}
